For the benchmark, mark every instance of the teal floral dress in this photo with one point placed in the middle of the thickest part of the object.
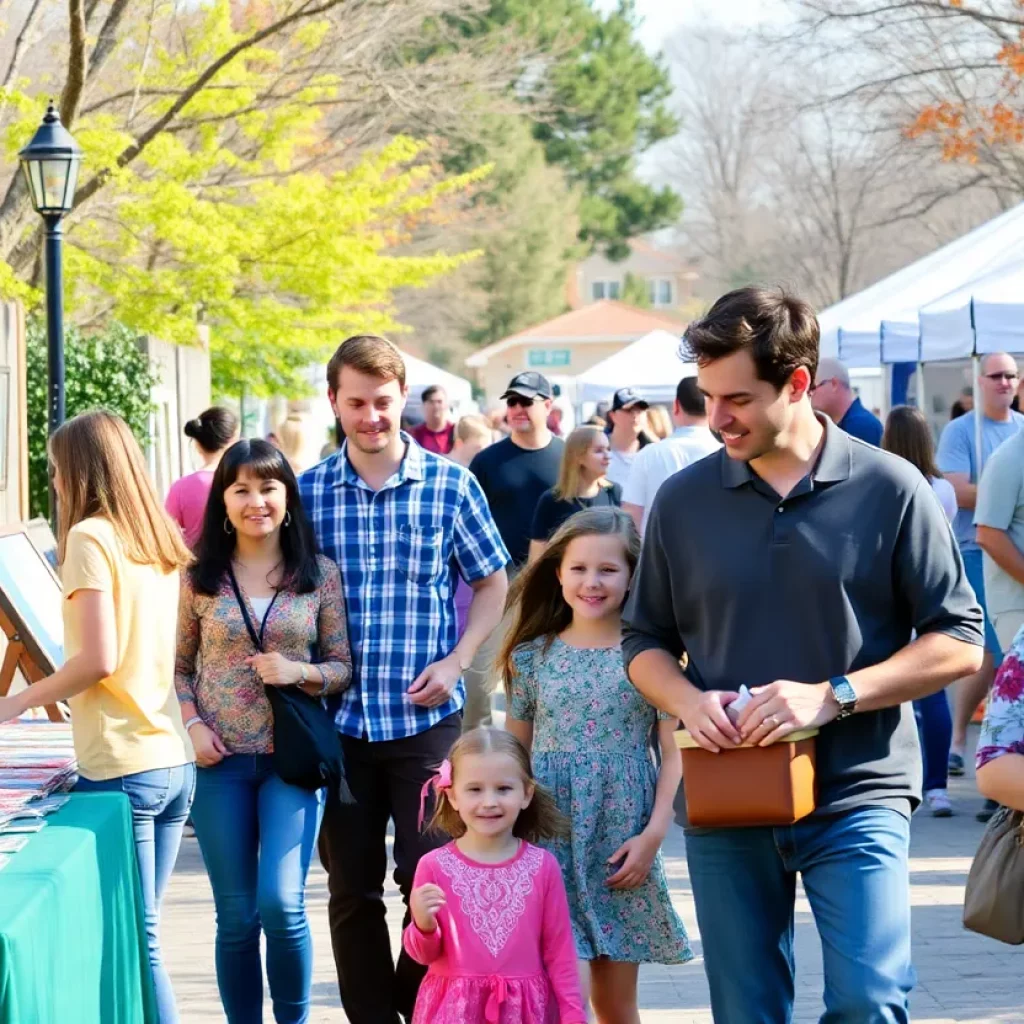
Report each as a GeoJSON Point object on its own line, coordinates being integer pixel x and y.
{"type": "Point", "coordinates": [593, 738]}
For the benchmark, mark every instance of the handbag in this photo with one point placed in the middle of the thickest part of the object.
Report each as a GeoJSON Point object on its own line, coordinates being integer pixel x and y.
{"type": "Point", "coordinates": [994, 900]}
{"type": "Point", "coordinates": [307, 749]}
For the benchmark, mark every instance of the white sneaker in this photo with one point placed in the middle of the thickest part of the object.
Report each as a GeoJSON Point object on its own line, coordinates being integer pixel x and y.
{"type": "Point", "coordinates": [938, 803]}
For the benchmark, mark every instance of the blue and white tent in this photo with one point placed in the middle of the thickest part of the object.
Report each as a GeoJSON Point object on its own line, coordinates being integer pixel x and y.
{"type": "Point", "coordinates": [882, 324]}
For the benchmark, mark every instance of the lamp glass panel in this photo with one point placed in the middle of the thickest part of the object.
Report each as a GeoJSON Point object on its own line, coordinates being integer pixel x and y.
{"type": "Point", "coordinates": [35, 180]}
{"type": "Point", "coordinates": [72, 184]}
{"type": "Point", "coordinates": [55, 179]}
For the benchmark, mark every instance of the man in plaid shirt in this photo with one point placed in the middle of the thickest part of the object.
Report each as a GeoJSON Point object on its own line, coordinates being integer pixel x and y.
{"type": "Point", "coordinates": [395, 518]}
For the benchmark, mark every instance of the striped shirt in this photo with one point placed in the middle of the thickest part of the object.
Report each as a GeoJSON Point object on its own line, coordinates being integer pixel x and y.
{"type": "Point", "coordinates": [395, 548]}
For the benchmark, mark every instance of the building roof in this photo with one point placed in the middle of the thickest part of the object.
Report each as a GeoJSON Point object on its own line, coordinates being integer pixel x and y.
{"type": "Point", "coordinates": [604, 321]}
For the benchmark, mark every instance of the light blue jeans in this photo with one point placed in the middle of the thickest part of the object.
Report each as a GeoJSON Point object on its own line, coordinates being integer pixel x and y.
{"type": "Point", "coordinates": [160, 800]}
{"type": "Point", "coordinates": [854, 870]}
{"type": "Point", "coordinates": [257, 835]}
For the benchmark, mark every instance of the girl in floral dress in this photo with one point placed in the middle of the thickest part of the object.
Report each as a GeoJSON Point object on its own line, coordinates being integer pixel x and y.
{"type": "Point", "coordinates": [1000, 753]}
{"type": "Point", "coordinates": [489, 915]}
{"type": "Point", "coordinates": [593, 737]}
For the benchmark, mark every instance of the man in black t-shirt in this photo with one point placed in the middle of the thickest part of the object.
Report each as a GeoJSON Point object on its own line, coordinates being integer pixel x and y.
{"type": "Point", "coordinates": [513, 474]}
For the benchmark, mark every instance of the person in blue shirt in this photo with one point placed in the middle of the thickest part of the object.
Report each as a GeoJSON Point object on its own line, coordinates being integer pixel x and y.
{"type": "Point", "coordinates": [958, 459]}
{"type": "Point", "coordinates": [833, 396]}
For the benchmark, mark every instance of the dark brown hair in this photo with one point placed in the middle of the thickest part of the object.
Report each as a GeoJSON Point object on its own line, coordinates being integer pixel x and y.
{"type": "Point", "coordinates": [690, 397]}
{"type": "Point", "coordinates": [541, 820]}
{"type": "Point", "coordinates": [103, 473]}
{"type": "Point", "coordinates": [908, 435]}
{"type": "Point", "coordinates": [369, 354]}
{"type": "Point", "coordinates": [779, 331]}
{"type": "Point", "coordinates": [214, 429]}
{"type": "Point", "coordinates": [535, 597]}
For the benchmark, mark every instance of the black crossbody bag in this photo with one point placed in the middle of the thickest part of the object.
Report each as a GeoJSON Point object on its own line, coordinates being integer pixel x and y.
{"type": "Point", "coordinates": [307, 749]}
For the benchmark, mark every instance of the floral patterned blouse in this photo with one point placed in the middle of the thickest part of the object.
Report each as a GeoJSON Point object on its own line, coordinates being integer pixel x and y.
{"type": "Point", "coordinates": [213, 644]}
{"type": "Point", "coordinates": [1002, 731]}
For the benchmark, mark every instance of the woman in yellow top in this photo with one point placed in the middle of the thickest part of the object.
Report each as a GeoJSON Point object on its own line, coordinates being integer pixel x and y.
{"type": "Point", "coordinates": [120, 557]}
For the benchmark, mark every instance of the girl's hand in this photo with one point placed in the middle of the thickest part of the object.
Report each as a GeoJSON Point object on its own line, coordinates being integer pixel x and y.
{"type": "Point", "coordinates": [275, 669]}
{"type": "Point", "coordinates": [639, 853]}
{"type": "Point", "coordinates": [209, 747]}
{"type": "Point", "coordinates": [424, 904]}
{"type": "Point", "coordinates": [11, 707]}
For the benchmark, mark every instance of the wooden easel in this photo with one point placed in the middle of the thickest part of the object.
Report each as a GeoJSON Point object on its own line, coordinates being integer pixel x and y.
{"type": "Point", "coordinates": [17, 657]}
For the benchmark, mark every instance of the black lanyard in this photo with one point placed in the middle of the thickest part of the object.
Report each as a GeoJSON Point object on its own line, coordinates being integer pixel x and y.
{"type": "Point", "coordinates": [257, 638]}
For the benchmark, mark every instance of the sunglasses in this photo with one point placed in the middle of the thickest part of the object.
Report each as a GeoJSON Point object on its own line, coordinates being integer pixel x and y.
{"type": "Point", "coordinates": [513, 400]}
{"type": "Point", "coordinates": [1009, 377]}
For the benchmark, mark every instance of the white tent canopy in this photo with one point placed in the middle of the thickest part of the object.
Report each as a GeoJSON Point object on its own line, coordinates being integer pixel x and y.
{"type": "Point", "coordinates": [881, 322]}
{"type": "Point", "coordinates": [420, 374]}
{"type": "Point", "coordinates": [651, 365]}
{"type": "Point", "coordinates": [986, 315]}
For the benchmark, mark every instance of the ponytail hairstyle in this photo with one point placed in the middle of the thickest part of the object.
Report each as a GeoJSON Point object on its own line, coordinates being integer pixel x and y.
{"type": "Point", "coordinates": [535, 596]}
{"type": "Point", "coordinates": [213, 430]}
{"type": "Point", "coordinates": [540, 820]}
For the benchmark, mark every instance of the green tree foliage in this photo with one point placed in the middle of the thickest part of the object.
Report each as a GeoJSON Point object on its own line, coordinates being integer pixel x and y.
{"type": "Point", "coordinates": [218, 184]}
{"type": "Point", "coordinates": [528, 236]}
{"type": "Point", "coordinates": [636, 292]}
{"type": "Point", "coordinates": [596, 100]}
{"type": "Point", "coordinates": [103, 371]}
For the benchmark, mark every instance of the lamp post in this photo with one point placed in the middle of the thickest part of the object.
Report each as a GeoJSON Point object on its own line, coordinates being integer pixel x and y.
{"type": "Point", "coordinates": [51, 162]}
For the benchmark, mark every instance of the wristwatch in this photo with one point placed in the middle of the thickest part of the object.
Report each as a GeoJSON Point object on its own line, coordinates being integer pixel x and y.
{"type": "Point", "coordinates": [845, 695]}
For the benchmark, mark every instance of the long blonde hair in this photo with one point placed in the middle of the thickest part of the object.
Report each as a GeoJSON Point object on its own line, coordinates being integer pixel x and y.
{"type": "Point", "coordinates": [541, 820]}
{"type": "Point", "coordinates": [103, 473]}
{"type": "Point", "coordinates": [535, 597]}
{"type": "Point", "coordinates": [577, 444]}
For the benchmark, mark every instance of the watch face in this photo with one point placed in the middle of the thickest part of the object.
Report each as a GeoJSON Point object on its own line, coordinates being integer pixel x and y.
{"type": "Point", "coordinates": [844, 693]}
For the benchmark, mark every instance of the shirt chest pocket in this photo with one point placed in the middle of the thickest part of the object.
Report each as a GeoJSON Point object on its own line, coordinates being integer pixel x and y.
{"type": "Point", "coordinates": [420, 558]}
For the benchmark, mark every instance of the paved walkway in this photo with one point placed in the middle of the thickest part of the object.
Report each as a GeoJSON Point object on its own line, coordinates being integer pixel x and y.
{"type": "Point", "coordinates": [963, 979]}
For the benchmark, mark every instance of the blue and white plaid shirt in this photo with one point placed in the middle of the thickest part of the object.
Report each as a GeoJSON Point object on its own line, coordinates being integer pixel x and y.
{"type": "Point", "coordinates": [395, 549]}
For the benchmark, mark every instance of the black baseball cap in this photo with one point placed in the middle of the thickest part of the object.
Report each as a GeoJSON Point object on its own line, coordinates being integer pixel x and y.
{"type": "Point", "coordinates": [529, 384]}
{"type": "Point", "coordinates": [626, 398]}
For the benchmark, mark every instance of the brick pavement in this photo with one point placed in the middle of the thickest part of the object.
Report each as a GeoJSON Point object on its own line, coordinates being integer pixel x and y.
{"type": "Point", "coordinates": [963, 979]}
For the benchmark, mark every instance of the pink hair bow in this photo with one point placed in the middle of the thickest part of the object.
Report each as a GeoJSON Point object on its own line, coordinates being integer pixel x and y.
{"type": "Point", "coordinates": [441, 781]}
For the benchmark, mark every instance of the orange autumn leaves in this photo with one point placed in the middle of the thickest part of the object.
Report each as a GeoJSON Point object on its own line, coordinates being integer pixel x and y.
{"type": "Point", "coordinates": [964, 128]}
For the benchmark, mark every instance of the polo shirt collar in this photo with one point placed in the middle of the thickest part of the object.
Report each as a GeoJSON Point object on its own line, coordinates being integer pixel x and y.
{"type": "Point", "coordinates": [834, 462]}
{"type": "Point", "coordinates": [412, 466]}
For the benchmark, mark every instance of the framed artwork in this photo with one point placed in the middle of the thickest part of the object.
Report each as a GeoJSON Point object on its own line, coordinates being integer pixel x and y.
{"type": "Point", "coordinates": [31, 598]}
{"type": "Point", "coordinates": [42, 537]}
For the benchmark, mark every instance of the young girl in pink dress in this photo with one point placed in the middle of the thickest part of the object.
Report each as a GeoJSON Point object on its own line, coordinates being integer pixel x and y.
{"type": "Point", "coordinates": [489, 912]}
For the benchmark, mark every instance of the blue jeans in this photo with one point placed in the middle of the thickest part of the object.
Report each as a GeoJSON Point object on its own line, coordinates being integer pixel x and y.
{"type": "Point", "coordinates": [935, 727]}
{"type": "Point", "coordinates": [160, 800]}
{"type": "Point", "coordinates": [974, 567]}
{"type": "Point", "coordinates": [257, 835]}
{"type": "Point", "coordinates": [854, 869]}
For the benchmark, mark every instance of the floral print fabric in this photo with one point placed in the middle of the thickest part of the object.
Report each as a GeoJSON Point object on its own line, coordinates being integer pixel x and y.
{"type": "Point", "coordinates": [1002, 731]}
{"type": "Point", "coordinates": [213, 645]}
{"type": "Point", "coordinates": [593, 749]}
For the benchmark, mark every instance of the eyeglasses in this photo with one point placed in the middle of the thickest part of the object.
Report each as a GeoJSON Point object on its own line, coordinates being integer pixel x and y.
{"type": "Point", "coordinates": [1008, 377]}
{"type": "Point", "coordinates": [513, 400]}
{"type": "Point", "coordinates": [821, 383]}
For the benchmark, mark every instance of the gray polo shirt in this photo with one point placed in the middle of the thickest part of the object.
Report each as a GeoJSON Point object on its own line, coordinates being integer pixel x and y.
{"type": "Point", "coordinates": [830, 580]}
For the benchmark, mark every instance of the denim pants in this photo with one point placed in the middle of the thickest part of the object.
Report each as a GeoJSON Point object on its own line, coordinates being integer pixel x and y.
{"type": "Point", "coordinates": [855, 874]}
{"type": "Point", "coordinates": [160, 800]}
{"type": "Point", "coordinates": [257, 835]}
{"type": "Point", "coordinates": [935, 727]}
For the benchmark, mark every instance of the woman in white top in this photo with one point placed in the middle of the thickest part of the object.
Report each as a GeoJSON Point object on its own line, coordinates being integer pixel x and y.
{"type": "Point", "coordinates": [907, 434]}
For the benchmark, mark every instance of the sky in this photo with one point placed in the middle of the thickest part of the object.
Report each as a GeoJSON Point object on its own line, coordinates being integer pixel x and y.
{"type": "Point", "coordinates": [663, 17]}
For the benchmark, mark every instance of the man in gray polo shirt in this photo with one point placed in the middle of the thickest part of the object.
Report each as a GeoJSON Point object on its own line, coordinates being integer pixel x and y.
{"type": "Point", "coordinates": [798, 561]}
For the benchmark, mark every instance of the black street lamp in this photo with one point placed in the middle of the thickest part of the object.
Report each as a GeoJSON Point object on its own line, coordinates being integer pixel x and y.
{"type": "Point", "coordinates": [51, 162]}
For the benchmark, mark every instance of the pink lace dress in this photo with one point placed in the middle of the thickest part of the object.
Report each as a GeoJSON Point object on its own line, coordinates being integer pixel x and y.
{"type": "Point", "coordinates": [503, 951]}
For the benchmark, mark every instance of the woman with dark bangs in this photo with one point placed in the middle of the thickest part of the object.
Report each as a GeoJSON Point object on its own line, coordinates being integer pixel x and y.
{"type": "Point", "coordinates": [256, 832]}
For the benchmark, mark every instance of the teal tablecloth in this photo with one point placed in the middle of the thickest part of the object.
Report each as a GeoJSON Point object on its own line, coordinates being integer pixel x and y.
{"type": "Point", "coordinates": [72, 939]}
